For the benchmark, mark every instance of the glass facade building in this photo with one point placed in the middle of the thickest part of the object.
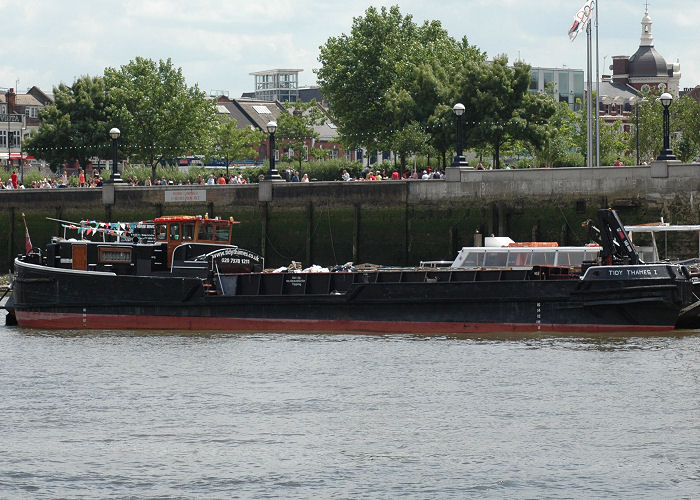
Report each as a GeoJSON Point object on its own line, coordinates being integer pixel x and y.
{"type": "Point", "coordinates": [565, 83]}
{"type": "Point", "coordinates": [277, 85]}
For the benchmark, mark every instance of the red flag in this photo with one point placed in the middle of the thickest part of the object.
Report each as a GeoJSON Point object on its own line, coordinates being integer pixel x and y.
{"type": "Point", "coordinates": [27, 239]}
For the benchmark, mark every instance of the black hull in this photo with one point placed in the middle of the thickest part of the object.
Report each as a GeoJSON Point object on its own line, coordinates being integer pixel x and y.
{"type": "Point", "coordinates": [46, 297]}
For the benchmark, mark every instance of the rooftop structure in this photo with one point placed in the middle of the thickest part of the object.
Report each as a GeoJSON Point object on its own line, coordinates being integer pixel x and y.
{"type": "Point", "coordinates": [277, 85]}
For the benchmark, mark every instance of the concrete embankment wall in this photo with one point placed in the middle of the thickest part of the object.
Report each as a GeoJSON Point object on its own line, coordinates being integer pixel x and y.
{"type": "Point", "coordinates": [387, 222]}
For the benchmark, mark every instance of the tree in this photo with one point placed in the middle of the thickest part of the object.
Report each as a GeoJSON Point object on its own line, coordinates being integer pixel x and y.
{"type": "Point", "coordinates": [160, 117]}
{"type": "Point", "coordinates": [559, 137]}
{"type": "Point", "coordinates": [357, 71]}
{"type": "Point", "coordinates": [410, 139]}
{"type": "Point", "coordinates": [296, 128]}
{"type": "Point", "coordinates": [651, 137]}
{"type": "Point", "coordinates": [398, 71]}
{"type": "Point", "coordinates": [76, 126]}
{"type": "Point", "coordinates": [686, 119]}
{"type": "Point", "coordinates": [235, 144]}
{"type": "Point", "coordinates": [499, 107]}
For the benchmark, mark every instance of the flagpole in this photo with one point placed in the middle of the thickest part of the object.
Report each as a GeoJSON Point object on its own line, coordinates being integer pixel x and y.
{"type": "Point", "coordinates": [589, 97]}
{"type": "Point", "coordinates": [27, 240]}
{"type": "Point", "coordinates": [597, 91]}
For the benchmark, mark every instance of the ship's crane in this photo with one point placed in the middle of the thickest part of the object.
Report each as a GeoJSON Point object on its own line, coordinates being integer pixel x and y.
{"type": "Point", "coordinates": [616, 247]}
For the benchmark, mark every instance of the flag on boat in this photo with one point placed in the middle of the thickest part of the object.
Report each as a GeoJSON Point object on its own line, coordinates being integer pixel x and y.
{"type": "Point", "coordinates": [27, 240]}
{"type": "Point", "coordinates": [581, 18]}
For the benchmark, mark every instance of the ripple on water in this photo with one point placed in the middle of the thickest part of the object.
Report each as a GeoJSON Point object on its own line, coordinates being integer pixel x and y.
{"type": "Point", "coordinates": [155, 415]}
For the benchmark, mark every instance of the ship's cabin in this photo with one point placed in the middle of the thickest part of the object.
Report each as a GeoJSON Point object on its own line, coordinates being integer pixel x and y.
{"type": "Point", "coordinates": [179, 229]}
{"type": "Point", "coordinates": [525, 256]}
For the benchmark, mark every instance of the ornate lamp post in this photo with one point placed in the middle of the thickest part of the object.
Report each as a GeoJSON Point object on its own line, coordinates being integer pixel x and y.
{"type": "Point", "coordinates": [666, 153]}
{"type": "Point", "coordinates": [115, 178]}
{"type": "Point", "coordinates": [459, 158]}
{"type": "Point", "coordinates": [272, 174]}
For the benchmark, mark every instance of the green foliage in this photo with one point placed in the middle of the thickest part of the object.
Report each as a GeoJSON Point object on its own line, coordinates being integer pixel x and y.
{"type": "Point", "coordinates": [158, 114]}
{"type": "Point", "coordinates": [235, 144]}
{"type": "Point", "coordinates": [296, 127]}
{"type": "Point", "coordinates": [499, 108]}
{"type": "Point", "coordinates": [331, 170]}
{"type": "Point", "coordinates": [191, 175]}
{"type": "Point", "coordinates": [572, 159]}
{"type": "Point", "coordinates": [412, 138]}
{"type": "Point", "coordinates": [613, 144]}
{"type": "Point", "coordinates": [76, 126]}
{"type": "Point", "coordinates": [31, 176]}
{"type": "Point", "coordinates": [398, 71]}
{"type": "Point", "coordinates": [684, 149]}
{"type": "Point", "coordinates": [651, 137]}
{"type": "Point", "coordinates": [559, 136]}
{"type": "Point", "coordinates": [686, 119]}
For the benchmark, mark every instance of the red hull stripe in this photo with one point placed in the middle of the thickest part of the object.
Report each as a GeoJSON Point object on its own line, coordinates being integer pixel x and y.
{"type": "Point", "coordinates": [58, 321]}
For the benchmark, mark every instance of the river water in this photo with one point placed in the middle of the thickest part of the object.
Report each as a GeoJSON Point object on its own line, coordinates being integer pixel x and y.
{"type": "Point", "coordinates": [156, 415]}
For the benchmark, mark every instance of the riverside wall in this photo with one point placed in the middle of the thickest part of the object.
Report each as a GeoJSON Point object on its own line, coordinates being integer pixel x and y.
{"type": "Point", "coordinates": [387, 222]}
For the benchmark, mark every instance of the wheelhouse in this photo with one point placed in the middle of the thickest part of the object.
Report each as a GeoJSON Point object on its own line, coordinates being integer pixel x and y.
{"type": "Point", "coordinates": [179, 229]}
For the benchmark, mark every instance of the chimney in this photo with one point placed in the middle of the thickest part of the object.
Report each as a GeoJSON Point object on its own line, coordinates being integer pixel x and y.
{"type": "Point", "coordinates": [11, 99]}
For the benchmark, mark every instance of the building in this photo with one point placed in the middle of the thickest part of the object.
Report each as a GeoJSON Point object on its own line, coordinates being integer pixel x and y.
{"type": "Point", "coordinates": [646, 69]}
{"type": "Point", "coordinates": [566, 83]}
{"type": "Point", "coordinates": [254, 113]}
{"type": "Point", "coordinates": [19, 118]}
{"type": "Point", "coordinates": [277, 85]}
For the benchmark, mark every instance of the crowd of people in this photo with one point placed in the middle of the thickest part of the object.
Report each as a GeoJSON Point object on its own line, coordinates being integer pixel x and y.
{"type": "Point", "coordinates": [94, 178]}
{"type": "Point", "coordinates": [379, 175]}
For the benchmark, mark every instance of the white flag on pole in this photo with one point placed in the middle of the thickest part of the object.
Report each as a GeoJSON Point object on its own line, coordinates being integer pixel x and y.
{"type": "Point", "coordinates": [581, 18]}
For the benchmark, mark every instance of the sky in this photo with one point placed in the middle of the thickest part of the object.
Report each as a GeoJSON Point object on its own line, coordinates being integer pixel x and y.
{"type": "Point", "coordinates": [218, 43]}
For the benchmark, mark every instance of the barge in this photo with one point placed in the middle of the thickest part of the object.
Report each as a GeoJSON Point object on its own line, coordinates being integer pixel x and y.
{"type": "Point", "coordinates": [188, 275]}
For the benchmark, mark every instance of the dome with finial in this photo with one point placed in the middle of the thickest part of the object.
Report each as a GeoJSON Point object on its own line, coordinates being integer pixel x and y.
{"type": "Point", "coordinates": [647, 62]}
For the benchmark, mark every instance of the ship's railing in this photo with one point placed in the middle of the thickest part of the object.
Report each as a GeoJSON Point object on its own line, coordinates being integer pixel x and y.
{"type": "Point", "coordinates": [341, 283]}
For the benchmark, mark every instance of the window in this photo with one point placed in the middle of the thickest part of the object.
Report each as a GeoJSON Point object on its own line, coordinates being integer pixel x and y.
{"type": "Point", "coordinates": [496, 259]}
{"type": "Point", "coordinates": [3, 108]}
{"type": "Point", "coordinates": [519, 258]}
{"type": "Point", "coordinates": [548, 79]}
{"type": "Point", "coordinates": [30, 112]}
{"type": "Point", "coordinates": [564, 85]}
{"type": "Point", "coordinates": [262, 110]}
{"type": "Point", "coordinates": [3, 138]}
{"type": "Point", "coordinates": [206, 232]}
{"type": "Point", "coordinates": [114, 255]}
{"type": "Point", "coordinates": [306, 152]}
{"type": "Point", "coordinates": [161, 232]}
{"type": "Point", "coordinates": [534, 74]}
{"type": "Point", "coordinates": [473, 259]}
{"type": "Point", "coordinates": [222, 232]}
{"type": "Point", "coordinates": [348, 155]}
{"type": "Point", "coordinates": [14, 138]}
{"type": "Point", "coordinates": [174, 231]}
{"type": "Point", "coordinates": [188, 231]}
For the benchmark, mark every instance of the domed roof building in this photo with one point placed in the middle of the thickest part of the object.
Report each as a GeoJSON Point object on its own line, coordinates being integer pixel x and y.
{"type": "Point", "coordinates": [647, 68]}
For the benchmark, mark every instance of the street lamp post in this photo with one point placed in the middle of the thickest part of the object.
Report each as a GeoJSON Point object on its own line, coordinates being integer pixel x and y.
{"type": "Point", "coordinates": [23, 127]}
{"type": "Point", "coordinates": [272, 174]}
{"type": "Point", "coordinates": [115, 178]}
{"type": "Point", "coordinates": [459, 159]}
{"type": "Point", "coordinates": [666, 153]}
